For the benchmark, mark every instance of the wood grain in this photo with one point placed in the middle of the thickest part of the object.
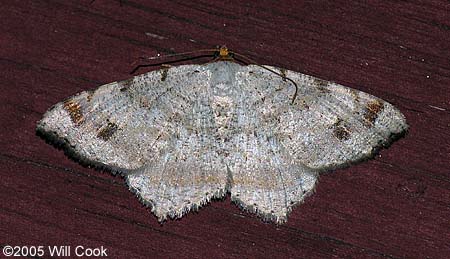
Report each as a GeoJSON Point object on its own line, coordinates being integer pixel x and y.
{"type": "Point", "coordinates": [394, 206]}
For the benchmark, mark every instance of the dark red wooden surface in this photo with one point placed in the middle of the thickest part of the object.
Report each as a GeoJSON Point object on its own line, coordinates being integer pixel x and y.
{"type": "Point", "coordinates": [394, 206]}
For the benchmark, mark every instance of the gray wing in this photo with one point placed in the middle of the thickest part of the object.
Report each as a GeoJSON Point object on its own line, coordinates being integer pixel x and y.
{"type": "Point", "coordinates": [155, 127]}
{"type": "Point", "coordinates": [189, 171]}
{"type": "Point", "coordinates": [285, 145]}
{"type": "Point", "coordinates": [329, 125]}
{"type": "Point", "coordinates": [266, 179]}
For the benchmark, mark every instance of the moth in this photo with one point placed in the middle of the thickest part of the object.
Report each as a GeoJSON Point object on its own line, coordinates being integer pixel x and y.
{"type": "Point", "coordinates": [183, 135]}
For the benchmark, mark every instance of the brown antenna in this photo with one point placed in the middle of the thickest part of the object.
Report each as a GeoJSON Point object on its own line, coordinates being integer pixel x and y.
{"type": "Point", "coordinates": [271, 70]}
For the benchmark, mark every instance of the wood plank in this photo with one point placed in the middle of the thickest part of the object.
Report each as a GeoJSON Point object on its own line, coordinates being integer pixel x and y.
{"type": "Point", "coordinates": [395, 206]}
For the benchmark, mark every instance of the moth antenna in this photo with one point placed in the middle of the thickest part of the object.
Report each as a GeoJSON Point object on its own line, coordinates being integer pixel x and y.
{"type": "Point", "coordinates": [167, 62]}
{"type": "Point", "coordinates": [207, 53]}
{"type": "Point", "coordinates": [182, 54]}
{"type": "Point", "coordinates": [271, 70]}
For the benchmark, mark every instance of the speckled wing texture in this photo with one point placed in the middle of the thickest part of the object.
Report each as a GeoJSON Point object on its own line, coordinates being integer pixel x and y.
{"type": "Point", "coordinates": [184, 135]}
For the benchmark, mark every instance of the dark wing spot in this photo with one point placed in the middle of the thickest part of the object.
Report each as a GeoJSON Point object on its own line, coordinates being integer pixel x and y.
{"type": "Point", "coordinates": [322, 85]}
{"type": "Point", "coordinates": [340, 131]}
{"type": "Point", "coordinates": [164, 72]}
{"type": "Point", "coordinates": [107, 131]}
{"type": "Point", "coordinates": [283, 73]}
{"type": "Point", "coordinates": [320, 82]}
{"type": "Point", "coordinates": [354, 94]}
{"type": "Point", "coordinates": [373, 108]}
{"type": "Point", "coordinates": [89, 96]}
{"type": "Point", "coordinates": [125, 84]}
{"type": "Point", "coordinates": [74, 110]}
